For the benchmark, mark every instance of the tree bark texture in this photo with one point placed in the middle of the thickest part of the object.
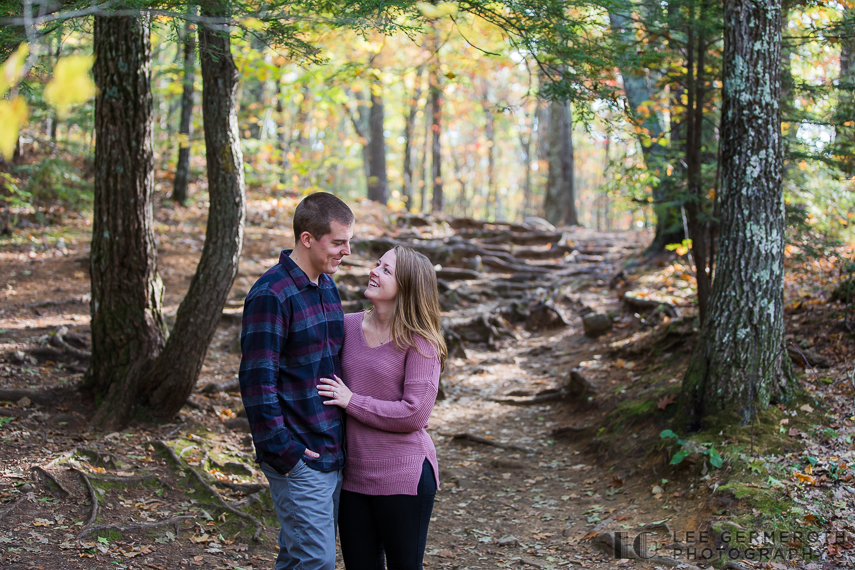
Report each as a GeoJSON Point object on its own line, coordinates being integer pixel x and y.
{"type": "Point", "coordinates": [377, 184]}
{"type": "Point", "coordinates": [638, 89]}
{"type": "Point", "coordinates": [740, 366]}
{"type": "Point", "coordinates": [697, 221]}
{"type": "Point", "coordinates": [844, 140]}
{"type": "Point", "coordinates": [175, 373]}
{"type": "Point", "coordinates": [490, 135]}
{"type": "Point", "coordinates": [128, 331]}
{"type": "Point", "coordinates": [409, 135]}
{"type": "Point", "coordinates": [560, 201]}
{"type": "Point", "coordinates": [185, 129]}
{"type": "Point", "coordinates": [436, 141]}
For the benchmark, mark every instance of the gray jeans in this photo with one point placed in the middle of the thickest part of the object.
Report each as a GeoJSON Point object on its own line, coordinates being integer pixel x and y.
{"type": "Point", "coordinates": [306, 503]}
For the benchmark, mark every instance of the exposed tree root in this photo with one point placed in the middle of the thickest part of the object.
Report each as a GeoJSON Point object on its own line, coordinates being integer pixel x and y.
{"type": "Point", "coordinates": [105, 458]}
{"type": "Point", "coordinates": [137, 527]}
{"type": "Point", "coordinates": [40, 397]}
{"type": "Point", "coordinates": [533, 401]}
{"type": "Point", "coordinates": [58, 340]}
{"type": "Point", "coordinates": [94, 498]}
{"type": "Point", "coordinates": [468, 437]}
{"type": "Point", "coordinates": [121, 479]}
{"type": "Point", "coordinates": [49, 476]}
{"type": "Point", "coordinates": [248, 488]}
{"type": "Point", "coordinates": [220, 502]}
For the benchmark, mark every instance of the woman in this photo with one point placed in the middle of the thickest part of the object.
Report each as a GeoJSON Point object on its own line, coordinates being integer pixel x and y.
{"type": "Point", "coordinates": [391, 360]}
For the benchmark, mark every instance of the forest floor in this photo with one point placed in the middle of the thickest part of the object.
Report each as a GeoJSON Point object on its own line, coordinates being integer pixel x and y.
{"type": "Point", "coordinates": [525, 481]}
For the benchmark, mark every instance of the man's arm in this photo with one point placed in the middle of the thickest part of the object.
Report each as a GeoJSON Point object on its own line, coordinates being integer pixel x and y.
{"type": "Point", "coordinates": [265, 328]}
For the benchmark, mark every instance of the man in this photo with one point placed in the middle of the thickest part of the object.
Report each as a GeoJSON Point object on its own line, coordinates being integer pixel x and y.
{"type": "Point", "coordinates": [291, 336]}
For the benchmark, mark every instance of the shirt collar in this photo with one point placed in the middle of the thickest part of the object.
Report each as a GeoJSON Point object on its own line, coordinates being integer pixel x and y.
{"type": "Point", "coordinates": [301, 280]}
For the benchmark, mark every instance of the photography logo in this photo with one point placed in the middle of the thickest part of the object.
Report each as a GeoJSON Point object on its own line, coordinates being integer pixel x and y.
{"type": "Point", "coordinates": [701, 545]}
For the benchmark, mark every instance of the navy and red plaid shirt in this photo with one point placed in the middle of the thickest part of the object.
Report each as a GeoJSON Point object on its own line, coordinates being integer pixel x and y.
{"type": "Point", "coordinates": [292, 335]}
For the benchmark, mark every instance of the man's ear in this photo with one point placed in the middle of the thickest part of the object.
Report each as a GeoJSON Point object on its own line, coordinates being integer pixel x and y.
{"type": "Point", "coordinates": [306, 239]}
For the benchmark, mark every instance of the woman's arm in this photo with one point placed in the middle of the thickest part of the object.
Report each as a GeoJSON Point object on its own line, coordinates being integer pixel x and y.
{"type": "Point", "coordinates": [409, 414]}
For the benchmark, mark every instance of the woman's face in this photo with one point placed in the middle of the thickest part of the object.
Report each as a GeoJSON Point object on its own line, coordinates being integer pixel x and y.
{"type": "Point", "coordinates": [382, 285]}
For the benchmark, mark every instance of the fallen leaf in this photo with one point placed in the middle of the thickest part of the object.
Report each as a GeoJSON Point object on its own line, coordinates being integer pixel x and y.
{"type": "Point", "coordinates": [806, 408]}
{"type": "Point", "coordinates": [666, 401]}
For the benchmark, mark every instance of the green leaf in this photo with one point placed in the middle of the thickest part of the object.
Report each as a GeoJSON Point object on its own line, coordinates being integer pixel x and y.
{"type": "Point", "coordinates": [715, 459]}
{"type": "Point", "coordinates": [679, 457]}
{"type": "Point", "coordinates": [5, 420]}
{"type": "Point", "coordinates": [668, 433]}
{"type": "Point", "coordinates": [103, 540]}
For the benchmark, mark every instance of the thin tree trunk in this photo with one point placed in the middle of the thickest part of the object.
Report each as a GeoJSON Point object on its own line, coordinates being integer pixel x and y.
{"type": "Point", "coordinates": [568, 205]}
{"type": "Point", "coordinates": [697, 226]}
{"type": "Point", "coordinates": [54, 118]}
{"type": "Point", "coordinates": [525, 145]}
{"type": "Point", "coordinates": [175, 373]}
{"type": "Point", "coordinates": [740, 365]}
{"type": "Point", "coordinates": [377, 184]}
{"type": "Point", "coordinates": [490, 135]}
{"type": "Point", "coordinates": [436, 131]}
{"type": "Point", "coordinates": [185, 129]}
{"type": "Point", "coordinates": [845, 124]}
{"type": "Point", "coordinates": [638, 90]}
{"type": "Point", "coordinates": [281, 130]}
{"type": "Point", "coordinates": [128, 331]}
{"type": "Point", "coordinates": [409, 128]}
{"type": "Point", "coordinates": [423, 183]}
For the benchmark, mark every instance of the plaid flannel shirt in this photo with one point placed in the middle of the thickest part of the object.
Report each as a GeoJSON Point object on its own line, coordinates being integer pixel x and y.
{"type": "Point", "coordinates": [291, 336]}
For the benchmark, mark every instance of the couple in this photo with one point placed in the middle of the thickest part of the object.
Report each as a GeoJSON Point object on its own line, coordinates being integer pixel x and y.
{"type": "Point", "coordinates": [306, 366]}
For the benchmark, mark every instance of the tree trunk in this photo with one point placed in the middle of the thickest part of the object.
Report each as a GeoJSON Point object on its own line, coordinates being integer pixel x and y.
{"type": "Point", "coordinates": [568, 161]}
{"type": "Point", "coordinates": [175, 373]}
{"type": "Point", "coordinates": [185, 129]}
{"type": "Point", "coordinates": [490, 135]}
{"type": "Point", "coordinates": [423, 183]}
{"type": "Point", "coordinates": [409, 133]}
{"type": "Point", "coordinates": [436, 129]}
{"type": "Point", "coordinates": [740, 366]}
{"type": "Point", "coordinates": [377, 185]}
{"type": "Point", "coordinates": [696, 222]}
{"type": "Point", "coordinates": [525, 146]}
{"type": "Point", "coordinates": [844, 139]}
{"type": "Point", "coordinates": [638, 90]}
{"type": "Point", "coordinates": [560, 201]}
{"type": "Point", "coordinates": [281, 130]}
{"type": "Point", "coordinates": [128, 331]}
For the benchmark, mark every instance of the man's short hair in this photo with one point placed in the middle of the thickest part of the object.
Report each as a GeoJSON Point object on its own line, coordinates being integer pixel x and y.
{"type": "Point", "coordinates": [315, 213]}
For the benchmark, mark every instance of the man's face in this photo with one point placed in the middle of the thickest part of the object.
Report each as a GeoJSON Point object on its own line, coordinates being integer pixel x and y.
{"type": "Point", "coordinates": [325, 254]}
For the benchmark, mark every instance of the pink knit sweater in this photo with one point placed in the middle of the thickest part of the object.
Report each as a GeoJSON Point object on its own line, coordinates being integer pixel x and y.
{"type": "Point", "coordinates": [393, 394]}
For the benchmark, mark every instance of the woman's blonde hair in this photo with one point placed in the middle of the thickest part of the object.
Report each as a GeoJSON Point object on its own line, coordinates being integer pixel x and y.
{"type": "Point", "coordinates": [417, 309]}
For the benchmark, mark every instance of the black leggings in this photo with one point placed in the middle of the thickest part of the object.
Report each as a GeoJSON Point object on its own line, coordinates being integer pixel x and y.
{"type": "Point", "coordinates": [370, 525]}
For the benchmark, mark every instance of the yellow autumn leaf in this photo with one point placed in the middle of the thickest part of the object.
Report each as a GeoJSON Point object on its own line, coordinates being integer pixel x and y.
{"type": "Point", "coordinates": [11, 72]}
{"type": "Point", "coordinates": [71, 84]}
{"type": "Point", "coordinates": [182, 139]}
{"type": "Point", "coordinates": [252, 24]}
{"type": "Point", "coordinates": [13, 115]}
{"type": "Point", "coordinates": [437, 11]}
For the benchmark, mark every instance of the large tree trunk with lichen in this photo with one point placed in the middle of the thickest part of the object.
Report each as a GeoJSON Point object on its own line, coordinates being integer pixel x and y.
{"type": "Point", "coordinates": [127, 327]}
{"type": "Point", "coordinates": [740, 366]}
{"type": "Point", "coordinates": [174, 374]}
